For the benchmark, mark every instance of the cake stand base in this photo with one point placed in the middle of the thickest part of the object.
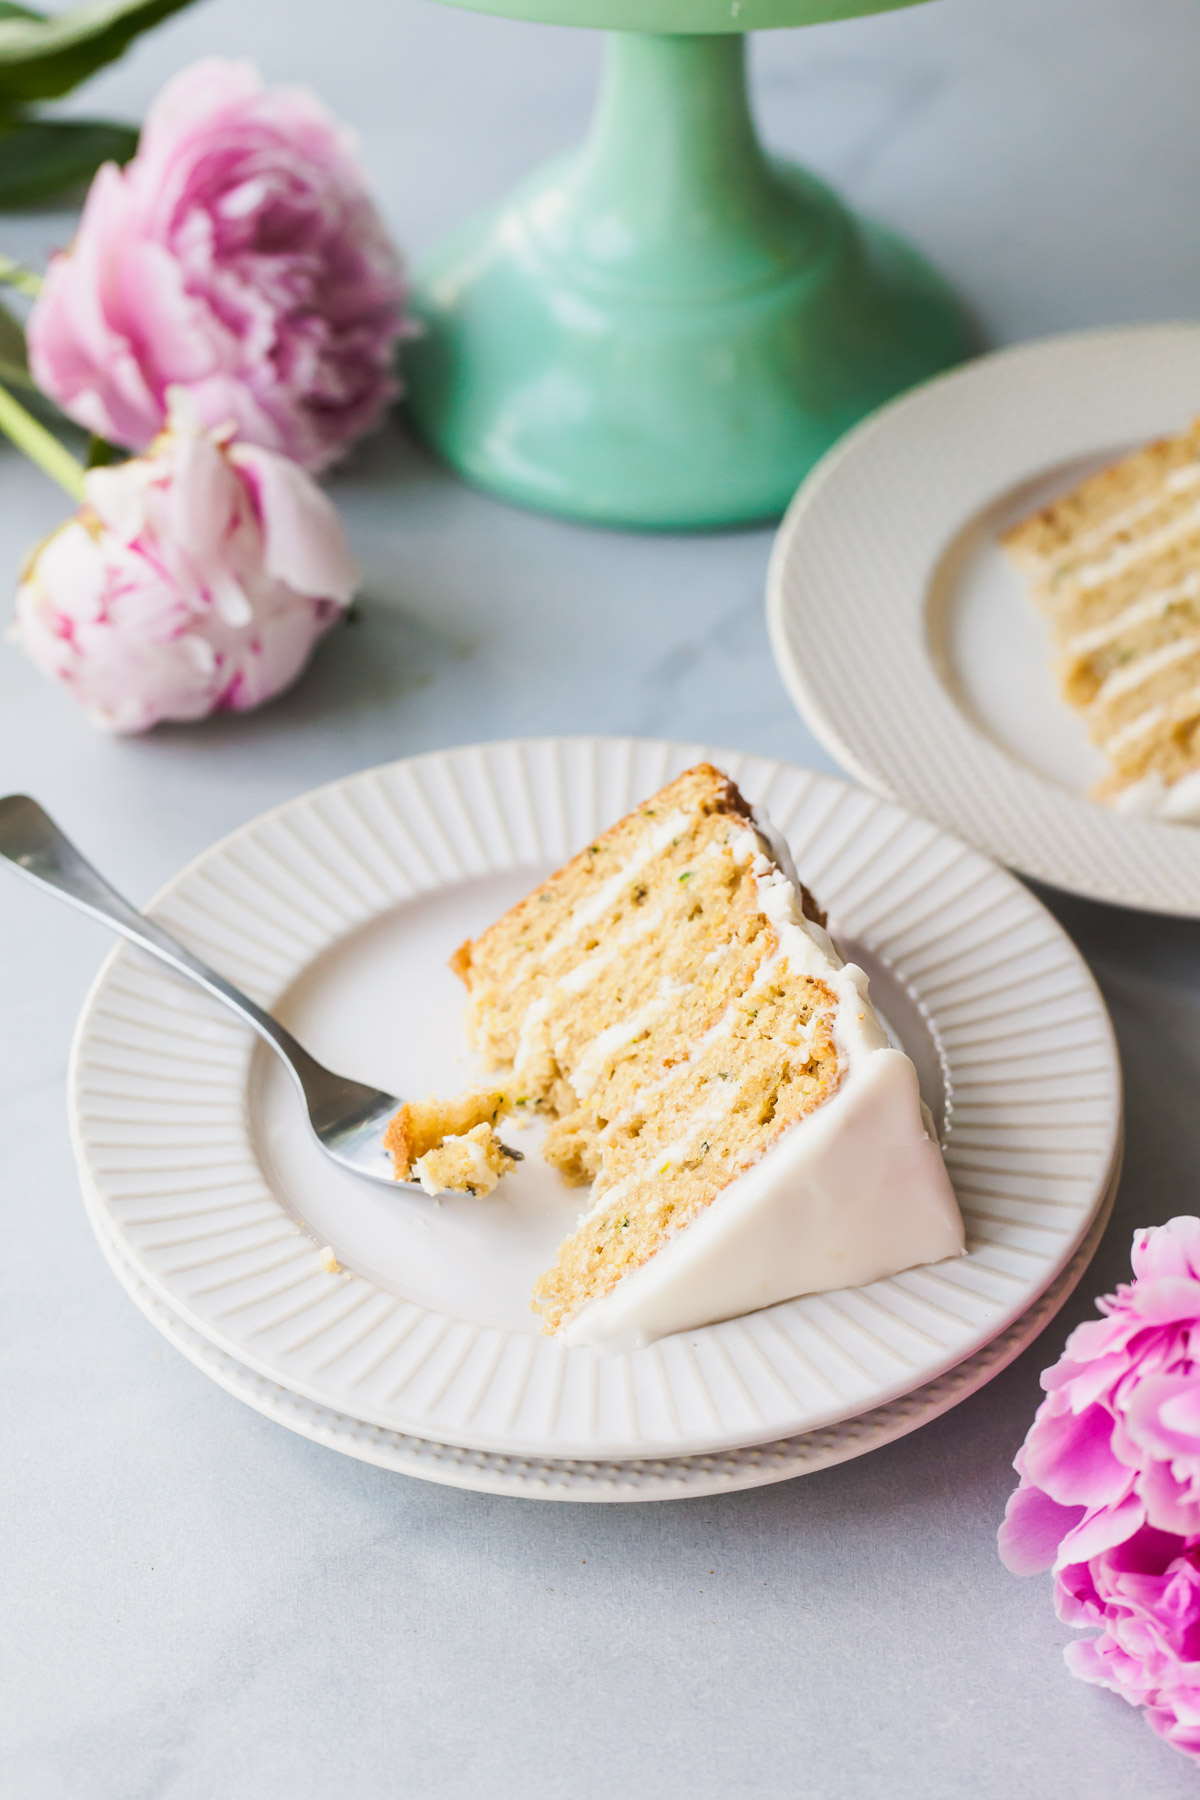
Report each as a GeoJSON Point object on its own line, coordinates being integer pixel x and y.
{"type": "Point", "coordinates": [667, 329]}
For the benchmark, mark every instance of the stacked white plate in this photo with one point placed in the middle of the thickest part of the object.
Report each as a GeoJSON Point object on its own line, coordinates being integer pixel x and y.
{"type": "Point", "coordinates": [339, 911]}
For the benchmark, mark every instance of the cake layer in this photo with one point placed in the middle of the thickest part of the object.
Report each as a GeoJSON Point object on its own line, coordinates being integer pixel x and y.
{"type": "Point", "coordinates": [1157, 621]}
{"type": "Point", "coordinates": [1164, 742]}
{"type": "Point", "coordinates": [1114, 506]}
{"type": "Point", "coordinates": [1115, 565]}
{"type": "Point", "coordinates": [1151, 678]}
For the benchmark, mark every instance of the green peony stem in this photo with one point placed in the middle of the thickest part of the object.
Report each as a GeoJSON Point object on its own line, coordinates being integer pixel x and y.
{"type": "Point", "coordinates": [40, 446]}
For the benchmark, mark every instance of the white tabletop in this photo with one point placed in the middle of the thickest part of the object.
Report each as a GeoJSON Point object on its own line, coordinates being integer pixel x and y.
{"type": "Point", "coordinates": [198, 1603]}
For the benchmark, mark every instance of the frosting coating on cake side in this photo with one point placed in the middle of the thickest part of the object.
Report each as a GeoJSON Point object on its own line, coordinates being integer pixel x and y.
{"type": "Point", "coordinates": [852, 1191]}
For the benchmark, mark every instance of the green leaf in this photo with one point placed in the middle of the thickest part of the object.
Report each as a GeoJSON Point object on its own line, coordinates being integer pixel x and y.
{"type": "Point", "coordinates": [100, 453]}
{"type": "Point", "coordinates": [9, 11]}
{"type": "Point", "coordinates": [47, 159]}
{"type": "Point", "coordinates": [44, 56]}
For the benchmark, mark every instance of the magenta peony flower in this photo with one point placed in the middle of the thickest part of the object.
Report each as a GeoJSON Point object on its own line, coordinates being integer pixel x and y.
{"type": "Point", "coordinates": [1145, 1594]}
{"type": "Point", "coordinates": [1110, 1486]}
{"type": "Point", "coordinates": [238, 255]}
{"type": "Point", "coordinates": [194, 579]}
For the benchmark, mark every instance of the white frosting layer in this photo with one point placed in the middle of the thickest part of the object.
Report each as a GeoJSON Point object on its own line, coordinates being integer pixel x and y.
{"type": "Point", "coordinates": [1151, 797]}
{"type": "Point", "coordinates": [1177, 482]}
{"type": "Point", "coordinates": [854, 1191]}
{"type": "Point", "coordinates": [1178, 707]}
{"type": "Point", "coordinates": [1133, 675]}
{"type": "Point", "coordinates": [1144, 611]}
{"type": "Point", "coordinates": [1127, 556]}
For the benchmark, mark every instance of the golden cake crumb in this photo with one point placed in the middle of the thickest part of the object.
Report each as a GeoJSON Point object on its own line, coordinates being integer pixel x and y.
{"type": "Point", "coordinates": [469, 1162]}
{"type": "Point", "coordinates": [422, 1125]}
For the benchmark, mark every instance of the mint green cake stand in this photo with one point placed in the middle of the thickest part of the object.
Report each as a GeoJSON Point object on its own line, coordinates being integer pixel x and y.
{"type": "Point", "coordinates": [667, 328]}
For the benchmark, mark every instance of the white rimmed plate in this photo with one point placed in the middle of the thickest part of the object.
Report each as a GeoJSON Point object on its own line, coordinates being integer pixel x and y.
{"type": "Point", "coordinates": [340, 909]}
{"type": "Point", "coordinates": [549, 1478]}
{"type": "Point", "coordinates": [911, 647]}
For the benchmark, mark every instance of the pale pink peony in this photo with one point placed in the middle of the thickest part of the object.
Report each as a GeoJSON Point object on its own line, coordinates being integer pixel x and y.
{"type": "Point", "coordinates": [194, 579]}
{"type": "Point", "coordinates": [238, 255]}
{"type": "Point", "coordinates": [1110, 1486]}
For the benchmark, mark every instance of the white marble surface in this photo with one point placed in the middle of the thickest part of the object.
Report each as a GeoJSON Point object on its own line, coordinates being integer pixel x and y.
{"type": "Point", "coordinates": [198, 1603]}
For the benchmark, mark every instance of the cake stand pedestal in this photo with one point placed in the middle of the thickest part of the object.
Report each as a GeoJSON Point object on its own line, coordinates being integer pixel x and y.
{"type": "Point", "coordinates": [667, 328]}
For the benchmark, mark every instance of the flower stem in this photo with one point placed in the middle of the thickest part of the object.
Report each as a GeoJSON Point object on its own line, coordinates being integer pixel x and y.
{"type": "Point", "coordinates": [40, 446]}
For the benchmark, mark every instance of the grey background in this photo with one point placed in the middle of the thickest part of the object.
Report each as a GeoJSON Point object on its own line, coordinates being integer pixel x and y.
{"type": "Point", "coordinates": [197, 1603]}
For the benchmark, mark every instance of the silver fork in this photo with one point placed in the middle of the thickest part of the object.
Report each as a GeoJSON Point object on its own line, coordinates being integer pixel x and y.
{"type": "Point", "coordinates": [347, 1118]}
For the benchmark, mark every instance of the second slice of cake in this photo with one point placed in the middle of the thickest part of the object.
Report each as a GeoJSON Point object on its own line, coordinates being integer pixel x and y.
{"type": "Point", "coordinates": [1115, 566]}
{"type": "Point", "coordinates": [672, 1001]}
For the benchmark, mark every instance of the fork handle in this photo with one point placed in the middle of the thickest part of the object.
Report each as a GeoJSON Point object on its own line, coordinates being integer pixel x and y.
{"type": "Point", "coordinates": [36, 848]}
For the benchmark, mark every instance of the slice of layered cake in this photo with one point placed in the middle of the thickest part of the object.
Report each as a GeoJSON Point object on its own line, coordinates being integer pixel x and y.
{"type": "Point", "coordinates": [711, 1069]}
{"type": "Point", "coordinates": [1115, 566]}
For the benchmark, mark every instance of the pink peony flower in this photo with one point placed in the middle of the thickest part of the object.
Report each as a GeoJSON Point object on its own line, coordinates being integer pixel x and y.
{"type": "Point", "coordinates": [1110, 1486]}
{"type": "Point", "coordinates": [194, 579]}
{"type": "Point", "coordinates": [238, 255]}
{"type": "Point", "coordinates": [1145, 1593]}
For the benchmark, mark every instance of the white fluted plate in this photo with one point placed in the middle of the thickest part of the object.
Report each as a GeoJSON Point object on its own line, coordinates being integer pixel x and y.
{"type": "Point", "coordinates": [911, 646]}
{"type": "Point", "coordinates": [339, 911]}
{"type": "Point", "coordinates": [669, 1478]}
